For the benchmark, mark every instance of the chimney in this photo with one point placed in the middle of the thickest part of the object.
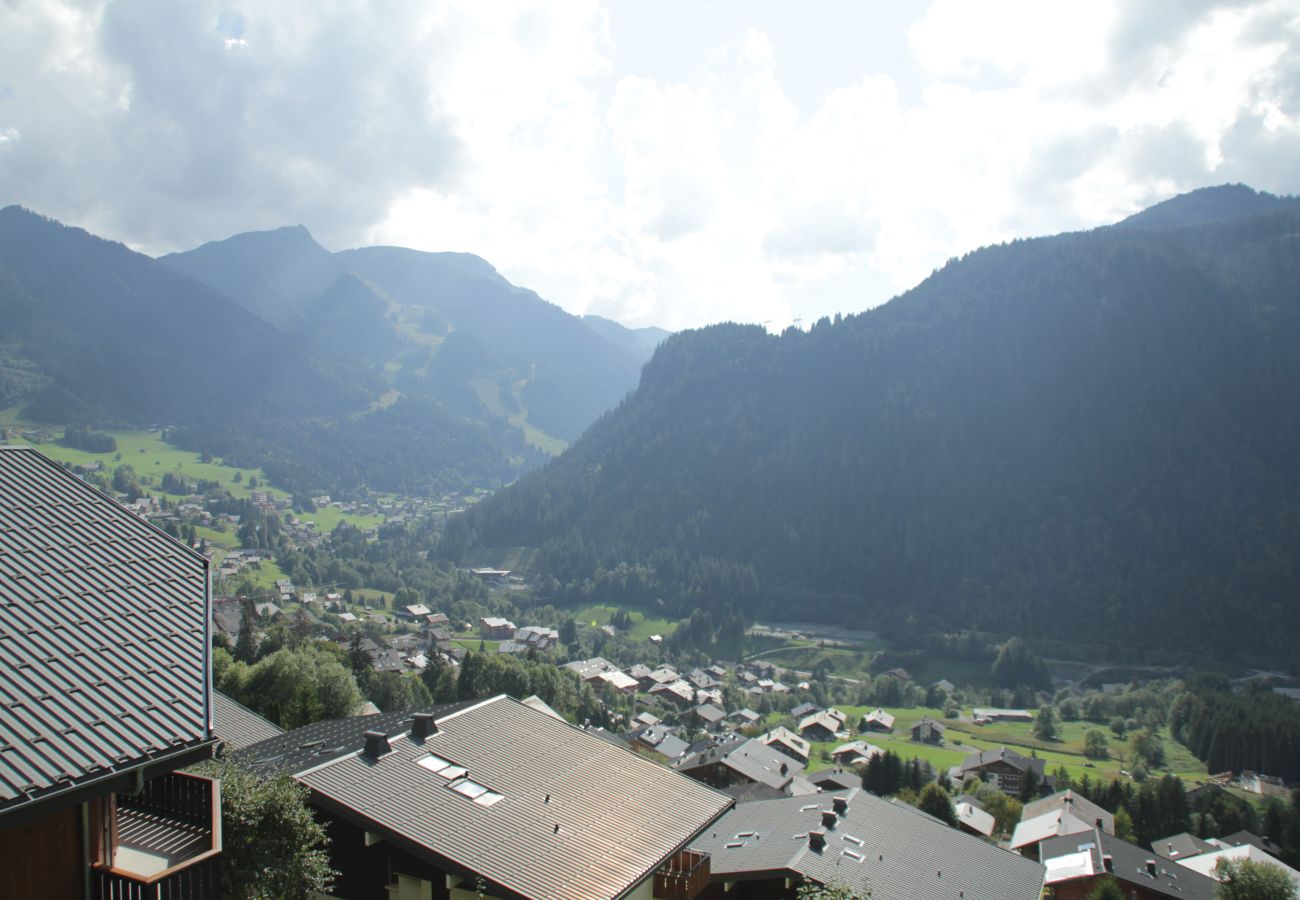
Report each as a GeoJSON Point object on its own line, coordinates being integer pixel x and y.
{"type": "Point", "coordinates": [828, 818]}
{"type": "Point", "coordinates": [1108, 863]}
{"type": "Point", "coordinates": [817, 839]}
{"type": "Point", "coordinates": [376, 744]}
{"type": "Point", "coordinates": [424, 725]}
{"type": "Point", "coordinates": [1151, 867]}
{"type": "Point", "coordinates": [840, 805]}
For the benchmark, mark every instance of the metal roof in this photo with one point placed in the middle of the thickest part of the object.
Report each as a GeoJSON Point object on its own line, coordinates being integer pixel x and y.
{"type": "Point", "coordinates": [1129, 863]}
{"type": "Point", "coordinates": [577, 817]}
{"type": "Point", "coordinates": [103, 635]}
{"type": "Point", "coordinates": [237, 725]}
{"type": "Point", "coordinates": [892, 849]}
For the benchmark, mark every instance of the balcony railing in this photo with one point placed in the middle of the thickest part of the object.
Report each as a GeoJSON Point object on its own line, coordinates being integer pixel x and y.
{"type": "Point", "coordinates": [683, 876]}
{"type": "Point", "coordinates": [167, 840]}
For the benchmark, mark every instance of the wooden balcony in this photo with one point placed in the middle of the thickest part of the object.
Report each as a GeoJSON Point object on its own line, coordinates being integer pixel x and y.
{"type": "Point", "coordinates": [163, 842]}
{"type": "Point", "coordinates": [683, 876]}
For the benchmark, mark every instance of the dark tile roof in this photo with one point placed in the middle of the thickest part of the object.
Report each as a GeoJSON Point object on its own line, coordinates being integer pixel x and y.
{"type": "Point", "coordinates": [748, 757]}
{"type": "Point", "coordinates": [1240, 838]}
{"type": "Point", "coordinates": [238, 726]}
{"type": "Point", "coordinates": [890, 848]}
{"type": "Point", "coordinates": [575, 817]}
{"type": "Point", "coordinates": [836, 779]}
{"type": "Point", "coordinates": [103, 635]}
{"type": "Point", "coordinates": [1181, 846]}
{"type": "Point", "coordinates": [1003, 754]}
{"type": "Point", "coordinates": [320, 742]}
{"type": "Point", "coordinates": [1129, 865]}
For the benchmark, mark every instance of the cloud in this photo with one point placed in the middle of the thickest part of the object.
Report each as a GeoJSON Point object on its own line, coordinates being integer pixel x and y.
{"type": "Point", "coordinates": [171, 123]}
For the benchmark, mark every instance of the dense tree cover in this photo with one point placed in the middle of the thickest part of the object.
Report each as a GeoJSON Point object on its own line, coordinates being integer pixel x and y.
{"type": "Point", "coordinates": [1244, 879]}
{"type": "Point", "coordinates": [488, 674]}
{"type": "Point", "coordinates": [1016, 665]}
{"type": "Point", "coordinates": [886, 774]}
{"type": "Point", "coordinates": [82, 437]}
{"type": "Point", "coordinates": [935, 801]}
{"type": "Point", "coordinates": [271, 844]}
{"type": "Point", "coordinates": [292, 686]}
{"type": "Point", "coordinates": [1088, 436]}
{"type": "Point", "coordinates": [1256, 729]}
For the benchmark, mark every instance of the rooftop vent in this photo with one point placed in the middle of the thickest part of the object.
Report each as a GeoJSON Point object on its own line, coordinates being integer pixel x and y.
{"type": "Point", "coordinates": [817, 839]}
{"type": "Point", "coordinates": [1151, 867]}
{"type": "Point", "coordinates": [1108, 863]}
{"type": "Point", "coordinates": [376, 744]}
{"type": "Point", "coordinates": [828, 818]}
{"type": "Point", "coordinates": [840, 805]}
{"type": "Point", "coordinates": [424, 725]}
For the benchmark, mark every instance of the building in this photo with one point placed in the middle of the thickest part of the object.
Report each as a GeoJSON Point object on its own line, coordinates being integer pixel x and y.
{"type": "Point", "coordinates": [1031, 832]}
{"type": "Point", "coordinates": [496, 796]}
{"type": "Point", "coordinates": [1076, 863]}
{"type": "Point", "coordinates": [822, 726]}
{"type": "Point", "coordinates": [767, 848]}
{"type": "Point", "coordinates": [928, 731]}
{"type": "Point", "coordinates": [789, 743]}
{"type": "Point", "coordinates": [1005, 769]}
{"type": "Point", "coordinates": [494, 628]}
{"type": "Point", "coordinates": [738, 761]}
{"type": "Point", "coordinates": [104, 649]}
{"type": "Point", "coordinates": [983, 715]}
{"type": "Point", "coordinates": [854, 753]}
{"type": "Point", "coordinates": [877, 720]}
{"type": "Point", "coordinates": [237, 726]}
{"type": "Point", "coordinates": [1077, 804]}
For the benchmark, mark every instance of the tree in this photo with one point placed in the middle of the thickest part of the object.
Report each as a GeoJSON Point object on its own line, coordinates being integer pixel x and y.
{"type": "Point", "coordinates": [1147, 746]}
{"type": "Point", "coordinates": [836, 890]}
{"type": "Point", "coordinates": [1107, 889]}
{"type": "Point", "coordinates": [1045, 728]}
{"type": "Point", "coordinates": [1244, 879]}
{"type": "Point", "coordinates": [246, 642]}
{"type": "Point", "coordinates": [1029, 786]}
{"type": "Point", "coordinates": [935, 801]}
{"type": "Point", "coordinates": [272, 845]}
{"type": "Point", "coordinates": [1095, 745]}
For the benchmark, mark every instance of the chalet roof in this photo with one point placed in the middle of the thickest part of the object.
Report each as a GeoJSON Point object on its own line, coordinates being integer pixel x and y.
{"type": "Point", "coordinates": [933, 723]}
{"type": "Point", "coordinates": [1206, 863]}
{"type": "Point", "coordinates": [1052, 823]}
{"type": "Point", "coordinates": [237, 725]}
{"type": "Point", "coordinates": [984, 758]}
{"type": "Point", "coordinates": [893, 849]}
{"type": "Point", "coordinates": [974, 817]}
{"type": "Point", "coordinates": [1079, 805]}
{"type": "Point", "coordinates": [564, 815]}
{"type": "Point", "coordinates": [103, 636]}
{"type": "Point", "coordinates": [750, 758]}
{"type": "Point", "coordinates": [1128, 863]}
{"type": "Point", "coordinates": [1180, 846]}
{"type": "Point", "coordinates": [884, 719]}
{"type": "Point", "coordinates": [709, 713]}
{"type": "Point", "coordinates": [783, 735]}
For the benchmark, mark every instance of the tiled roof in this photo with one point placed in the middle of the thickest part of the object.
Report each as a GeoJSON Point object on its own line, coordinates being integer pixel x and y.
{"type": "Point", "coordinates": [1129, 864]}
{"type": "Point", "coordinates": [575, 817]}
{"type": "Point", "coordinates": [750, 758]}
{"type": "Point", "coordinates": [238, 726]}
{"type": "Point", "coordinates": [889, 848]}
{"type": "Point", "coordinates": [103, 635]}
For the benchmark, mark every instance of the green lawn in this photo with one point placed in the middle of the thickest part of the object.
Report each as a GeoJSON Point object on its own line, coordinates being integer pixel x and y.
{"type": "Point", "coordinates": [965, 737]}
{"type": "Point", "coordinates": [642, 626]}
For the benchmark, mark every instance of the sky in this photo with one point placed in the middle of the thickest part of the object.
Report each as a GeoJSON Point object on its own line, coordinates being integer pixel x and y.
{"type": "Point", "coordinates": [669, 163]}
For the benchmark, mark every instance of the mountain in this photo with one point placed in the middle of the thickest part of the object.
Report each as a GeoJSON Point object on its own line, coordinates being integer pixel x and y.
{"type": "Point", "coordinates": [637, 342]}
{"type": "Point", "coordinates": [94, 331]}
{"type": "Point", "coordinates": [1207, 205]}
{"type": "Point", "coordinates": [1090, 437]}
{"type": "Point", "coordinates": [407, 314]}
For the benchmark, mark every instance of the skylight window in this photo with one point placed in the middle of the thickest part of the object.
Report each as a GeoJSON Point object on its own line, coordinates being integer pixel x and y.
{"type": "Point", "coordinates": [476, 792]}
{"type": "Point", "coordinates": [439, 766]}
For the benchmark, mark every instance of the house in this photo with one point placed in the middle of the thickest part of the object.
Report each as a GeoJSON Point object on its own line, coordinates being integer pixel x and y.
{"type": "Point", "coordinates": [495, 797]}
{"type": "Point", "coordinates": [1005, 769]}
{"type": "Point", "coordinates": [1177, 846]}
{"type": "Point", "coordinates": [702, 680]}
{"type": "Point", "coordinates": [1077, 804]}
{"type": "Point", "coordinates": [437, 620]}
{"type": "Point", "coordinates": [678, 693]}
{"type": "Point", "coordinates": [767, 848]}
{"type": "Point", "coordinates": [789, 743]}
{"type": "Point", "coordinates": [1076, 863]}
{"type": "Point", "coordinates": [105, 634]}
{"type": "Point", "coordinates": [877, 720]}
{"type": "Point", "coordinates": [738, 760]}
{"type": "Point", "coordinates": [659, 741]}
{"type": "Point", "coordinates": [709, 716]}
{"type": "Point", "coordinates": [1205, 863]}
{"type": "Point", "coordinates": [1031, 832]}
{"type": "Point", "coordinates": [413, 612]}
{"type": "Point", "coordinates": [973, 818]}
{"type": "Point", "coordinates": [945, 685]}
{"type": "Point", "coordinates": [821, 727]}
{"type": "Point", "coordinates": [534, 638]}
{"type": "Point", "coordinates": [745, 718]}
{"type": "Point", "coordinates": [803, 710]}
{"type": "Point", "coordinates": [898, 672]}
{"type": "Point", "coordinates": [494, 628]}
{"type": "Point", "coordinates": [928, 731]}
{"type": "Point", "coordinates": [985, 715]}
{"type": "Point", "coordinates": [854, 753]}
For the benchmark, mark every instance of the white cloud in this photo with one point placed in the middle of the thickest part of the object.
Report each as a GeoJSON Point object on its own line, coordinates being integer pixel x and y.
{"type": "Point", "coordinates": [676, 168]}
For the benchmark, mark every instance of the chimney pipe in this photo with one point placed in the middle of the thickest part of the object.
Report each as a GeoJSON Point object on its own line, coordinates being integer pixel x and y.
{"type": "Point", "coordinates": [817, 839]}
{"type": "Point", "coordinates": [1151, 867]}
{"type": "Point", "coordinates": [828, 818]}
{"type": "Point", "coordinates": [840, 805]}
{"type": "Point", "coordinates": [1108, 863]}
{"type": "Point", "coordinates": [424, 725]}
{"type": "Point", "coordinates": [376, 744]}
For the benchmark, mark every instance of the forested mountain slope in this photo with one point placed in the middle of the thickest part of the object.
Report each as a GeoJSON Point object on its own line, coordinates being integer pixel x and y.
{"type": "Point", "coordinates": [1091, 436]}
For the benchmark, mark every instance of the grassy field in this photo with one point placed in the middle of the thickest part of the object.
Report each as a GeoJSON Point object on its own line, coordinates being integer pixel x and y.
{"type": "Point", "coordinates": [642, 626]}
{"type": "Point", "coordinates": [964, 737]}
{"type": "Point", "coordinates": [152, 457]}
